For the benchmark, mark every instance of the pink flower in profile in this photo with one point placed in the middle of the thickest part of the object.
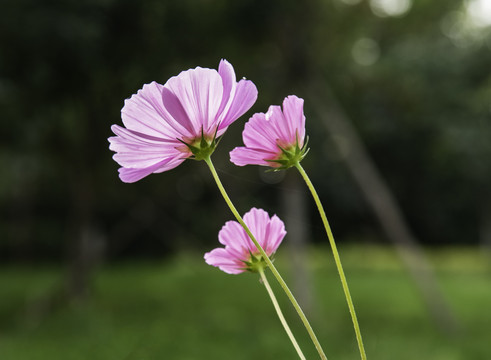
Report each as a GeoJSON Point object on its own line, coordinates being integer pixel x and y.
{"type": "Point", "coordinates": [240, 254]}
{"type": "Point", "coordinates": [166, 124]}
{"type": "Point", "coordinates": [275, 139]}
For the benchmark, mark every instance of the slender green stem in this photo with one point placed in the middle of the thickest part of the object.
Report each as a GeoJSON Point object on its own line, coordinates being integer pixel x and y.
{"type": "Point", "coordinates": [280, 314]}
{"type": "Point", "coordinates": [336, 259]}
{"type": "Point", "coordinates": [267, 259]}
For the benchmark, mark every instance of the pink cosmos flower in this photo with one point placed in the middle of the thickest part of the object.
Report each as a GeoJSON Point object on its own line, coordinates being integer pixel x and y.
{"type": "Point", "coordinates": [274, 139]}
{"type": "Point", "coordinates": [166, 124]}
{"type": "Point", "coordinates": [240, 254]}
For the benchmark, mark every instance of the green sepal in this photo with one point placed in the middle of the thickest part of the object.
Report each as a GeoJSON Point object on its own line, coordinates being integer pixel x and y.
{"type": "Point", "coordinates": [202, 148]}
{"type": "Point", "coordinates": [203, 144]}
{"type": "Point", "coordinates": [255, 262]}
{"type": "Point", "coordinates": [290, 156]}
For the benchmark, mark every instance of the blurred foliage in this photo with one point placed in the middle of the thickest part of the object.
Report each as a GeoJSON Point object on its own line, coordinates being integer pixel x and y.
{"type": "Point", "coordinates": [416, 85]}
{"type": "Point", "coordinates": [185, 310]}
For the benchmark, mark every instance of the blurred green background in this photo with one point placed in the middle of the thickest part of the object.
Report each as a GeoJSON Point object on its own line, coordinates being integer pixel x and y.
{"type": "Point", "coordinates": [94, 268]}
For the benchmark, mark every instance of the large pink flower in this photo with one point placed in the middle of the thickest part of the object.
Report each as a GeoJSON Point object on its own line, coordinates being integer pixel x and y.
{"type": "Point", "coordinates": [275, 139]}
{"type": "Point", "coordinates": [166, 124]}
{"type": "Point", "coordinates": [240, 254]}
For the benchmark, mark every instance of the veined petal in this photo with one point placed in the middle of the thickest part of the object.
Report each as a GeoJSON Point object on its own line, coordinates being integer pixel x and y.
{"type": "Point", "coordinates": [222, 259]}
{"type": "Point", "coordinates": [295, 118]}
{"type": "Point", "coordinates": [245, 96]}
{"type": "Point", "coordinates": [242, 156]}
{"type": "Point", "coordinates": [273, 136]}
{"type": "Point", "coordinates": [128, 175]}
{"type": "Point", "coordinates": [237, 97]}
{"type": "Point", "coordinates": [280, 126]}
{"type": "Point", "coordinates": [132, 136]}
{"type": "Point", "coordinates": [236, 255]}
{"type": "Point", "coordinates": [227, 73]}
{"type": "Point", "coordinates": [233, 236]}
{"type": "Point", "coordinates": [131, 175]}
{"type": "Point", "coordinates": [159, 118]}
{"type": "Point", "coordinates": [260, 133]}
{"type": "Point", "coordinates": [170, 163]}
{"type": "Point", "coordinates": [275, 234]}
{"type": "Point", "coordinates": [193, 99]}
{"type": "Point", "coordinates": [135, 150]}
{"type": "Point", "coordinates": [145, 113]}
{"type": "Point", "coordinates": [257, 220]}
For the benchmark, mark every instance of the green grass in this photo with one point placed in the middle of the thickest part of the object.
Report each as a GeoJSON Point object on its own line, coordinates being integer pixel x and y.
{"type": "Point", "coordinates": [185, 309]}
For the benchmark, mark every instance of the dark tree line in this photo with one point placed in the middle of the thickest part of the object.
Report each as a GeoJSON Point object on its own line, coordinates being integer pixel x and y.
{"type": "Point", "coordinates": [417, 93]}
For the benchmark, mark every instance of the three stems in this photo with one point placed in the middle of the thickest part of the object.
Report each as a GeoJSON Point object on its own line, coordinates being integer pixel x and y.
{"type": "Point", "coordinates": [268, 261]}
{"type": "Point", "coordinates": [280, 279]}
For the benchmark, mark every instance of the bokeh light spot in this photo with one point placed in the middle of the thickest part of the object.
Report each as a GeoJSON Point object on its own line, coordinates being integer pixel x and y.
{"type": "Point", "coordinates": [365, 51]}
{"type": "Point", "coordinates": [385, 8]}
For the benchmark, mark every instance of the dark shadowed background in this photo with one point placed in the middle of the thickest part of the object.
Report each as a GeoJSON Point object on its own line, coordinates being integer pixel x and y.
{"type": "Point", "coordinates": [412, 78]}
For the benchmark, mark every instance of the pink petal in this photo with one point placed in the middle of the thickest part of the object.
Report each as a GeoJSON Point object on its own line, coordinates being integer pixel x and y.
{"type": "Point", "coordinates": [238, 246]}
{"type": "Point", "coordinates": [275, 234]}
{"type": "Point", "coordinates": [131, 175]}
{"type": "Point", "coordinates": [242, 156]}
{"type": "Point", "coordinates": [237, 97]}
{"type": "Point", "coordinates": [227, 73]}
{"type": "Point", "coordinates": [257, 221]}
{"type": "Point", "coordinates": [278, 125]}
{"type": "Point", "coordinates": [158, 117]}
{"type": "Point", "coordinates": [264, 134]}
{"type": "Point", "coordinates": [193, 99]}
{"type": "Point", "coordinates": [295, 118]}
{"type": "Point", "coordinates": [269, 232]}
{"type": "Point", "coordinates": [260, 133]}
{"type": "Point", "coordinates": [135, 150]}
{"type": "Point", "coordinates": [245, 96]}
{"type": "Point", "coordinates": [224, 261]}
{"type": "Point", "coordinates": [145, 113]}
{"type": "Point", "coordinates": [234, 237]}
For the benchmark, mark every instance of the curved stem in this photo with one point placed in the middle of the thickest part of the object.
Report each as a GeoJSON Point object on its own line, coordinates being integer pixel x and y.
{"type": "Point", "coordinates": [336, 259]}
{"type": "Point", "coordinates": [280, 314]}
{"type": "Point", "coordinates": [267, 259]}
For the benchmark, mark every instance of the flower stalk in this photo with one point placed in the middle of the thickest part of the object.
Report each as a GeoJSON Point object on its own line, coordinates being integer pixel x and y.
{"type": "Point", "coordinates": [279, 312]}
{"type": "Point", "coordinates": [337, 260]}
{"type": "Point", "coordinates": [267, 260]}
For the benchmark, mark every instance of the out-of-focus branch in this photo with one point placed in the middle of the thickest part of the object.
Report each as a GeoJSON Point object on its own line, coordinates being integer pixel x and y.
{"type": "Point", "coordinates": [294, 205]}
{"type": "Point", "coordinates": [381, 200]}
